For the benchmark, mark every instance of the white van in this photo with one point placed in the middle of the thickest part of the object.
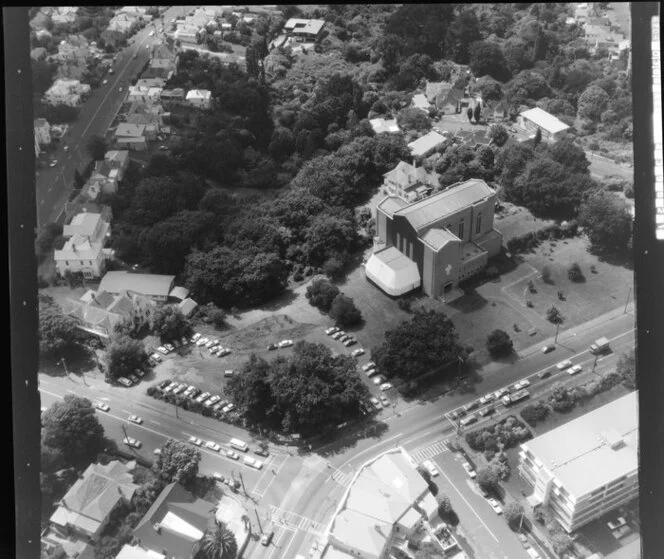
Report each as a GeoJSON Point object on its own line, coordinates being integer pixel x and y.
{"type": "Point", "coordinates": [240, 445]}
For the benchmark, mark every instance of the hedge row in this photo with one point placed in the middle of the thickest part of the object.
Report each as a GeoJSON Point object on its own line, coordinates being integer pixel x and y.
{"type": "Point", "coordinates": [509, 432]}
{"type": "Point", "coordinates": [531, 240]}
{"type": "Point", "coordinates": [564, 399]}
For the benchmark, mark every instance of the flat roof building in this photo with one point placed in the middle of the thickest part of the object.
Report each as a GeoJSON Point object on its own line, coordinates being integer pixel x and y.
{"type": "Point", "coordinates": [155, 286]}
{"type": "Point", "coordinates": [587, 467]}
{"type": "Point", "coordinates": [551, 127]}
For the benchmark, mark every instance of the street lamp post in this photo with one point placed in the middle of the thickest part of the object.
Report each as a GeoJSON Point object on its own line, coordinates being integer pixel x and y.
{"type": "Point", "coordinates": [557, 328]}
{"type": "Point", "coordinates": [64, 364]}
{"type": "Point", "coordinates": [258, 520]}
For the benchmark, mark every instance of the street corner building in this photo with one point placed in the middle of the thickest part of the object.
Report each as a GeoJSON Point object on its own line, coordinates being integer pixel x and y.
{"type": "Point", "coordinates": [587, 467]}
{"type": "Point", "coordinates": [434, 243]}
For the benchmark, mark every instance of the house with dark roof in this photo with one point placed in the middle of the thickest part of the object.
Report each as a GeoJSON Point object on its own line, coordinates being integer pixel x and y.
{"type": "Point", "coordinates": [85, 509]}
{"type": "Point", "coordinates": [174, 523]}
{"type": "Point", "coordinates": [434, 243]}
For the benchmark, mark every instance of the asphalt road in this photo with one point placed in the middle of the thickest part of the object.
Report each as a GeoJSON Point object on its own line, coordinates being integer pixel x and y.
{"type": "Point", "coordinates": [54, 184]}
{"type": "Point", "coordinates": [296, 495]}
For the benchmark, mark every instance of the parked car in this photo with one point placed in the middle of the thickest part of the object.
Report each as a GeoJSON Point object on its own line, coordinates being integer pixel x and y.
{"type": "Point", "coordinates": [486, 411]}
{"type": "Point", "coordinates": [369, 365]}
{"type": "Point", "coordinates": [431, 467]}
{"type": "Point", "coordinates": [331, 330]}
{"type": "Point", "coordinates": [201, 341]}
{"type": "Point", "coordinates": [272, 347]}
{"type": "Point", "coordinates": [350, 342]}
{"type": "Point", "coordinates": [194, 393]}
{"type": "Point", "coordinates": [575, 369]}
{"type": "Point", "coordinates": [471, 406]}
{"type": "Point", "coordinates": [54, 163]}
{"type": "Point", "coordinates": [376, 403]}
{"type": "Point", "coordinates": [545, 374]}
{"type": "Point", "coordinates": [357, 352]}
{"type": "Point", "coordinates": [101, 406]}
{"type": "Point", "coordinates": [469, 470]}
{"type": "Point", "coordinates": [140, 373]}
{"type": "Point", "coordinates": [163, 350]}
{"type": "Point", "coordinates": [169, 347]}
{"type": "Point", "coordinates": [261, 451]}
{"type": "Point", "coordinates": [134, 379]}
{"type": "Point", "coordinates": [211, 401]}
{"type": "Point", "coordinates": [163, 384]}
{"type": "Point", "coordinates": [229, 407]}
{"type": "Point", "coordinates": [232, 455]}
{"type": "Point", "coordinates": [125, 381]}
{"type": "Point", "coordinates": [380, 379]}
{"type": "Point", "coordinates": [203, 397]}
{"type": "Point", "coordinates": [152, 361]}
{"type": "Point", "coordinates": [371, 372]}
{"type": "Point", "coordinates": [224, 351]}
{"type": "Point", "coordinates": [212, 446]}
{"type": "Point", "coordinates": [209, 343]}
{"type": "Point", "coordinates": [564, 365]}
{"type": "Point", "coordinates": [285, 343]}
{"type": "Point", "coordinates": [522, 384]}
{"type": "Point", "coordinates": [386, 386]}
{"type": "Point", "coordinates": [495, 505]}
{"type": "Point", "coordinates": [195, 337]}
{"type": "Point", "coordinates": [344, 338]}
{"type": "Point", "coordinates": [129, 441]}
{"type": "Point", "coordinates": [184, 341]}
{"type": "Point", "coordinates": [253, 462]}
{"type": "Point", "coordinates": [156, 357]}
{"type": "Point", "coordinates": [338, 334]}
{"type": "Point", "coordinates": [218, 477]}
{"type": "Point", "coordinates": [385, 401]}
{"type": "Point", "coordinates": [486, 399]}
{"type": "Point", "coordinates": [181, 388]}
{"type": "Point", "coordinates": [548, 348]}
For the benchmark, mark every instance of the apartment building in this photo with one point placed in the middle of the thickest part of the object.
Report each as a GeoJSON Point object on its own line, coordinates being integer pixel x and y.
{"type": "Point", "coordinates": [587, 467]}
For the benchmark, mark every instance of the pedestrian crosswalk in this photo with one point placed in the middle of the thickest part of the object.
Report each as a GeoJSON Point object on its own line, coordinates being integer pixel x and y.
{"type": "Point", "coordinates": [342, 478]}
{"type": "Point", "coordinates": [429, 452]}
{"type": "Point", "coordinates": [292, 520]}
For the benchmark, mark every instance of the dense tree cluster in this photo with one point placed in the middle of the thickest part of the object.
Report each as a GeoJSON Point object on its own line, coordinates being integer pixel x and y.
{"type": "Point", "coordinates": [426, 343]}
{"type": "Point", "coordinates": [499, 344]}
{"type": "Point", "coordinates": [169, 323]}
{"type": "Point", "coordinates": [607, 222]}
{"type": "Point", "coordinates": [57, 332]}
{"type": "Point", "coordinates": [304, 393]}
{"type": "Point", "coordinates": [123, 357]}
{"type": "Point", "coordinates": [177, 462]}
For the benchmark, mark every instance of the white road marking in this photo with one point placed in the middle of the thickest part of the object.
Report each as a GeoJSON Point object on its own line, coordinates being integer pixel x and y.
{"type": "Point", "coordinates": [368, 449]}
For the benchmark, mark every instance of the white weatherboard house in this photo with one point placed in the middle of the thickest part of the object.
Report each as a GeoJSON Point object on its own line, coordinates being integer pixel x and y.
{"type": "Point", "coordinates": [199, 98]}
{"type": "Point", "coordinates": [84, 249]}
{"type": "Point", "coordinates": [551, 127]}
{"type": "Point", "coordinates": [587, 467]}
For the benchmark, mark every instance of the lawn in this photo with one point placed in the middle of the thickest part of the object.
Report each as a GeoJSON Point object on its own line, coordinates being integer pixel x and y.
{"type": "Point", "coordinates": [601, 292]}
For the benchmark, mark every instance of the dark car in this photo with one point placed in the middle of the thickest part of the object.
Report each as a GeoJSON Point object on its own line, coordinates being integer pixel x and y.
{"type": "Point", "coordinates": [272, 346]}
{"type": "Point", "coordinates": [164, 383]}
{"type": "Point", "coordinates": [267, 538]}
{"type": "Point", "coordinates": [545, 374]}
{"type": "Point", "coordinates": [140, 373]}
{"type": "Point", "coordinates": [261, 451]}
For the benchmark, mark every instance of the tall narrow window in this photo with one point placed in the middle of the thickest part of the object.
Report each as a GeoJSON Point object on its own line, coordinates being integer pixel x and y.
{"type": "Point", "coordinates": [461, 229]}
{"type": "Point", "coordinates": [478, 223]}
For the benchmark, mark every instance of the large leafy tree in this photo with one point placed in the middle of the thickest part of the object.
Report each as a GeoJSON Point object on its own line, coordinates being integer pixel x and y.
{"type": "Point", "coordinates": [218, 542]}
{"type": "Point", "coordinates": [321, 293]}
{"type": "Point", "coordinates": [234, 276]}
{"type": "Point", "coordinates": [486, 58]}
{"type": "Point", "coordinates": [57, 332]}
{"type": "Point", "coordinates": [570, 156]}
{"type": "Point", "coordinates": [251, 390]}
{"type": "Point", "coordinates": [592, 103]}
{"type": "Point", "coordinates": [330, 235]}
{"type": "Point", "coordinates": [169, 323]}
{"type": "Point", "coordinates": [177, 462]}
{"type": "Point", "coordinates": [499, 343]}
{"type": "Point", "coordinates": [124, 356]}
{"type": "Point", "coordinates": [413, 119]}
{"type": "Point", "coordinates": [313, 389]}
{"type": "Point", "coordinates": [425, 343]}
{"type": "Point", "coordinates": [71, 427]}
{"type": "Point", "coordinates": [96, 146]}
{"type": "Point", "coordinates": [511, 160]}
{"type": "Point", "coordinates": [422, 28]}
{"type": "Point", "coordinates": [547, 188]}
{"type": "Point", "coordinates": [607, 221]}
{"type": "Point", "coordinates": [462, 32]}
{"type": "Point", "coordinates": [488, 478]}
{"type": "Point", "coordinates": [344, 312]}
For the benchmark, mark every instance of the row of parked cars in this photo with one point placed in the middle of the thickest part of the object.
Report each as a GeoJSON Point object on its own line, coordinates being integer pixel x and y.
{"type": "Point", "coordinates": [132, 379]}
{"type": "Point", "coordinates": [280, 345]}
{"type": "Point", "coordinates": [191, 392]}
{"type": "Point", "coordinates": [341, 336]}
{"type": "Point", "coordinates": [503, 395]}
{"type": "Point", "coordinates": [214, 346]}
{"type": "Point", "coordinates": [371, 370]}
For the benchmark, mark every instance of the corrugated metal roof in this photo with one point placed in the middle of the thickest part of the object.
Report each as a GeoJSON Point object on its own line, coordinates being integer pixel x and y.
{"type": "Point", "coordinates": [436, 207]}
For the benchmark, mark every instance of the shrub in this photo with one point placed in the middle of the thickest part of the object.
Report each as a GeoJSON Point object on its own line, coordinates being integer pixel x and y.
{"type": "Point", "coordinates": [513, 513]}
{"type": "Point", "coordinates": [499, 344]}
{"type": "Point", "coordinates": [488, 479]}
{"type": "Point", "coordinates": [344, 311]}
{"type": "Point", "coordinates": [531, 240]}
{"type": "Point", "coordinates": [575, 274]}
{"type": "Point", "coordinates": [629, 192]}
{"type": "Point", "coordinates": [535, 413]}
{"type": "Point", "coordinates": [546, 274]}
{"type": "Point", "coordinates": [218, 318]}
{"type": "Point", "coordinates": [321, 293]}
{"type": "Point", "coordinates": [444, 506]}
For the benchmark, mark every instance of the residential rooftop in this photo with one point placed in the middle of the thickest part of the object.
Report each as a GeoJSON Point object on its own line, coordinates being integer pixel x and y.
{"type": "Point", "coordinates": [545, 120]}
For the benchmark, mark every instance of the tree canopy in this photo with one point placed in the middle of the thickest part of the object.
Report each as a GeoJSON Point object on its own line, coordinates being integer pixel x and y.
{"type": "Point", "coordinates": [344, 312]}
{"type": "Point", "coordinates": [57, 332]}
{"type": "Point", "coordinates": [169, 323]}
{"type": "Point", "coordinates": [96, 146]}
{"type": "Point", "coordinates": [499, 344]}
{"type": "Point", "coordinates": [321, 293]}
{"type": "Point", "coordinates": [423, 344]}
{"type": "Point", "coordinates": [71, 428]}
{"type": "Point", "coordinates": [124, 356]}
{"type": "Point", "coordinates": [309, 391]}
{"type": "Point", "coordinates": [177, 462]}
{"type": "Point", "coordinates": [607, 221]}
